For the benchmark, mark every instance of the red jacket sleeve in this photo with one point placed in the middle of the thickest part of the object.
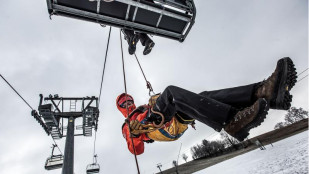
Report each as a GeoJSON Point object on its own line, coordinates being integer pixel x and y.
{"type": "Point", "coordinates": [138, 141]}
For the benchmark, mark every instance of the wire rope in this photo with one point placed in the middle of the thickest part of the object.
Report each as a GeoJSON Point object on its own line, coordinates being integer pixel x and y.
{"type": "Point", "coordinates": [16, 92]}
{"type": "Point", "coordinates": [107, 46]}
{"type": "Point", "coordinates": [27, 104]}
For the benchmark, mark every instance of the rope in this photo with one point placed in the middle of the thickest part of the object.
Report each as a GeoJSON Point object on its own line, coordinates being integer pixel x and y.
{"type": "Point", "coordinates": [125, 87]}
{"type": "Point", "coordinates": [109, 35]}
{"type": "Point", "coordinates": [147, 82]}
{"type": "Point", "coordinates": [16, 92]}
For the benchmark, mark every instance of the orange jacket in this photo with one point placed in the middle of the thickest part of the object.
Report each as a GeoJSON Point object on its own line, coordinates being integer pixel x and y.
{"type": "Point", "coordinates": [137, 115]}
{"type": "Point", "coordinates": [171, 131]}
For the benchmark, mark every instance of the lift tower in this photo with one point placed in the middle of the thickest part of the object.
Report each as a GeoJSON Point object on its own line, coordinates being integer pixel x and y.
{"type": "Point", "coordinates": [57, 111]}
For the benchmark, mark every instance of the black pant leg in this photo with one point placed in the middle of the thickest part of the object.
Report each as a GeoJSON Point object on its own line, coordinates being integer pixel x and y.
{"type": "Point", "coordinates": [144, 38]}
{"type": "Point", "coordinates": [129, 33]}
{"type": "Point", "coordinates": [202, 108]}
{"type": "Point", "coordinates": [238, 97]}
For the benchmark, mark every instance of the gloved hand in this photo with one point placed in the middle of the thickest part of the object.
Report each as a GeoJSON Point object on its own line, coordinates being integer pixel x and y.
{"type": "Point", "coordinates": [155, 118]}
{"type": "Point", "coordinates": [135, 127]}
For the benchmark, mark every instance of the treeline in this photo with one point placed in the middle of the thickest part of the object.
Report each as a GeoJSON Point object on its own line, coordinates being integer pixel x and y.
{"type": "Point", "coordinates": [229, 144]}
{"type": "Point", "coordinates": [294, 115]}
{"type": "Point", "coordinates": [216, 148]}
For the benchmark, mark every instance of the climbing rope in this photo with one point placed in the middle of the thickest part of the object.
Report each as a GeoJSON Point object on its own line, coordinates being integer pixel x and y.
{"type": "Point", "coordinates": [147, 82]}
{"type": "Point", "coordinates": [125, 87]}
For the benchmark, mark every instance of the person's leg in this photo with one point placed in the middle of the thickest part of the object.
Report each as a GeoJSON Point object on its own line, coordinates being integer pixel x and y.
{"type": "Point", "coordinates": [129, 34]}
{"type": "Point", "coordinates": [275, 89]}
{"type": "Point", "coordinates": [238, 97]}
{"type": "Point", "coordinates": [204, 109]}
{"type": "Point", "coordinates": [132, 40]}
{"type": "Point", "coordinates": [213, 113]}
{"type": "Point", "coordinates": [147, 42]}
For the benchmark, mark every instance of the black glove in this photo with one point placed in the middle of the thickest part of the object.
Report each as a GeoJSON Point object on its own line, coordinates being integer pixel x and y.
{"type": "Point", "coordinates": [155, 118]}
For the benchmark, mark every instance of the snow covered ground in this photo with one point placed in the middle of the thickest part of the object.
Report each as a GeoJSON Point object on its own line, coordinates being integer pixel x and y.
{"type": "Point", "coordinates": [288, 156]}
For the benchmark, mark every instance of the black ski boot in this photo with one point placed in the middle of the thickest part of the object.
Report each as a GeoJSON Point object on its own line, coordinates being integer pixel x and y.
{"type": "Point", "coordinates": [132, 43]}
{"type": "Point", "coordinates": [148, 47]}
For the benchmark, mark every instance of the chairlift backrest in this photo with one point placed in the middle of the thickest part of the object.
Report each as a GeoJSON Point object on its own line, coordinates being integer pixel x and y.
{"type": "Point", "coordinates": [167, 18]}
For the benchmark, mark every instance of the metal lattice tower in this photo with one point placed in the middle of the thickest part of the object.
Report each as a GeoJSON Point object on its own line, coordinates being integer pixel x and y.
{"type": "Point", "coordinates": [51, 117]}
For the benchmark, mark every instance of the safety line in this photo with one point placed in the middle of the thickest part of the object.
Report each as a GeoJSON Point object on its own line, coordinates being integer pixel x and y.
{"type": "Point", "coordinates": [125, 87]}
{"type": "Point", "coordinates": [147, 82]}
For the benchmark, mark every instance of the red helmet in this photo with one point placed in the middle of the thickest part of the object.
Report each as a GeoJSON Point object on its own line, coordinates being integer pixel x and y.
{"type": "Point", "coordinates": [121, 99]}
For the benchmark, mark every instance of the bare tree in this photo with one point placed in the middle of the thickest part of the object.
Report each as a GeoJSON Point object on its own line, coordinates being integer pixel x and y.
{"type": "Point", "coordinates": [228, 140]}
{"type": "Point", "coordinates": [294, 115]}
{"type": "Point", "coordinates": [184, 157]}
{"type": "Point", "coordinates": [280, 125]}
{"type": "Point", "coordinates": [207, 149]}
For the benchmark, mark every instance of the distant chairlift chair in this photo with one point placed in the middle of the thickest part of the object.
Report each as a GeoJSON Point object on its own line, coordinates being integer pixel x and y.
{"type": "Point", "coordinates": [171, 19]}
{"type": "Point", "coordinates": [54, 161]}
{"type": "Point", "coordinates": [94, 167]}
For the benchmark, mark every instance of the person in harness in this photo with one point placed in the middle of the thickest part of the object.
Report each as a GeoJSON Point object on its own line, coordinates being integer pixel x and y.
{"type": "Point", "coordinates": [236, 110]}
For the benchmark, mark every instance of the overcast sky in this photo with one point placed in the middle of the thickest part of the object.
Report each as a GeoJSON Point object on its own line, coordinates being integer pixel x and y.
{"type": "Point", "coordinates": [232, 43]}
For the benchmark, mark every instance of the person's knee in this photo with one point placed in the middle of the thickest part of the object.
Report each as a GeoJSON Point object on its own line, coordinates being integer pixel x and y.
{"type": "Point", "coordinates": [171, 87]}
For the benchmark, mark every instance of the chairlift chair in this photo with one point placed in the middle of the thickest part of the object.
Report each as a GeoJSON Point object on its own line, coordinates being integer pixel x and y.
{"type": "Point", "coordinates": [54, 161]}
{"type": "Point", "coordinates": [93, 168]}
{"type": "Point", "coordinates": [167, 18]}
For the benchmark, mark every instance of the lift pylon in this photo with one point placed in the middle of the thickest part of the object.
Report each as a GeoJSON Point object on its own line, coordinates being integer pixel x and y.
{"type": "Point", "coordinates": [52, 116]}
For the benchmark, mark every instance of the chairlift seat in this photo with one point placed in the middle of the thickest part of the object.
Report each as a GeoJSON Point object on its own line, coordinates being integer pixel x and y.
{"type": "Point", "coordinates": [54, 162]}
{"type": "Point", "coordinates": [93, 168]}
{"type": "Point", "coordinates": [167, 18]}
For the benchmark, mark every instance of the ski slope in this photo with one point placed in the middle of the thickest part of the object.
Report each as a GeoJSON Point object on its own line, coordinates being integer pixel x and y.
{"type": "Point", "coordinates": [288, 156]}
